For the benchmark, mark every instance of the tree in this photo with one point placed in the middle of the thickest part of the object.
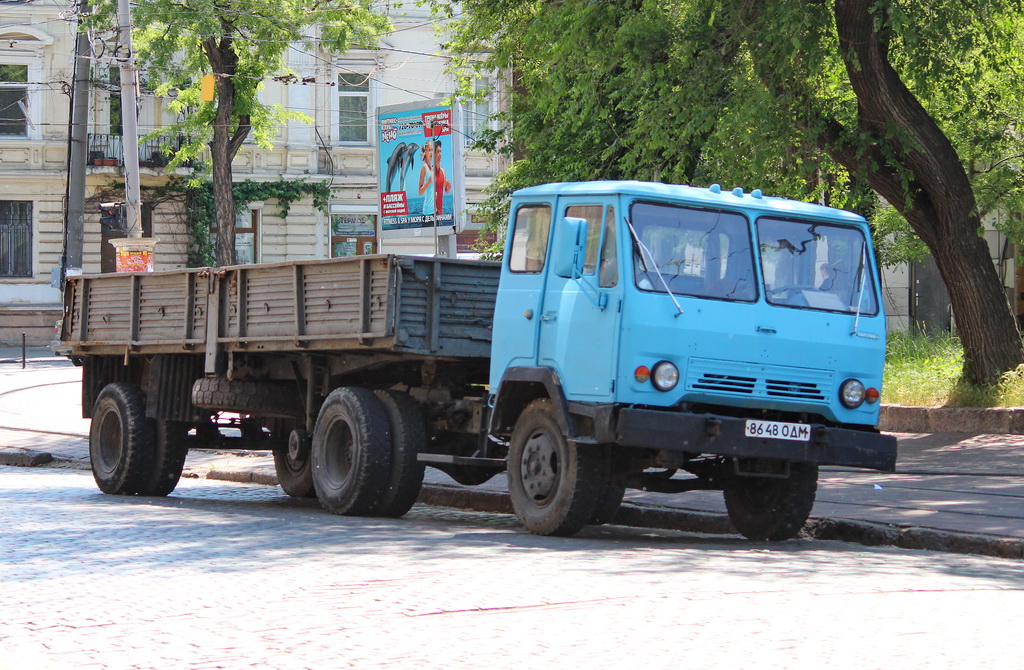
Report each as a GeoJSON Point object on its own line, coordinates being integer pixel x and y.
{"type": "Point", "coordinates": [241, 43]}
{"type": "Point", "coordinates": [918, 101]}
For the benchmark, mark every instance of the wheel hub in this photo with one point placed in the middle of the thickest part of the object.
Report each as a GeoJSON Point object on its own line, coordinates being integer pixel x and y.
{"type": "Point", "coordinates": [540, 467]}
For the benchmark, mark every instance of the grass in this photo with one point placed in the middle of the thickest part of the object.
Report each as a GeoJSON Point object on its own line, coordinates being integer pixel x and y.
{"type": "Point", "coordinates": [926, 371]}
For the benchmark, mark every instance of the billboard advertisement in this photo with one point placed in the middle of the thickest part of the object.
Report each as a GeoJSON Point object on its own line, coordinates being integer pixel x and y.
{"type": "Point", "coordinates": [419, 168]}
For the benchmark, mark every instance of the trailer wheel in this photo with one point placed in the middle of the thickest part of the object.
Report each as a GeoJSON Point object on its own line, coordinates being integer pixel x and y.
{"type": "Point", "coordinates": [770, 508]}
{"type": "Point", "coordinates": [351, 452]}
{"type": "Point", "coordinates": [553, 483]}
{"type": "Point", "coordinates": [170, 447]}
{"type": "Point", "coordinates": [293, 463]}
{"type": "Point", "coordinates": [408, 439]}
{"type": "Point", "coordinates": [609, 499]}
{"type": "Point", "coordinates": [121, 440]}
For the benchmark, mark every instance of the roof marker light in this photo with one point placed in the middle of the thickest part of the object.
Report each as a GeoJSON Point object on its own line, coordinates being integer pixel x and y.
{"type": "Point", "coordinates": [756, 193]}
{"type": "Point", "coordinates": [715, 188]}
{"type": "Point", "coordinates": [738, 192]}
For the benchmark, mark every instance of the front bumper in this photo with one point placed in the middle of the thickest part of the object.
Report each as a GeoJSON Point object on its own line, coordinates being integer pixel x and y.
{"type": "Point", "coordinates": [724, 435]}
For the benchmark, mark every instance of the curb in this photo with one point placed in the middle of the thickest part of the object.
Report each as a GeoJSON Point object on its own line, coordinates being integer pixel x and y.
{"type": "Point", "coordinates": [23, 458]}
{"type": "Point", "coordinates": [995, 420]}
{"type": "Point", "coordinates": [639, 515]}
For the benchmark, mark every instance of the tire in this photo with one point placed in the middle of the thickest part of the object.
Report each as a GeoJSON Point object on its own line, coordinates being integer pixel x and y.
{"type": "Point", "coordinates": [351, 452]}
{"type": "Point", "coordinates": [772, 509]}
{"type": "Point", "coordinates": [553, 483]}
{"type": "Point", "coordinates": [293, 463]}
{"type": "Point", "coordinates": [170, 447]}
{"type": "Point", "coordinates": [408, 439]}
{"type": "Point", "coordinates": [121, 440]}
{"type": "Point", "coordinates": [609, 499]}
{"type": "Point", "coordinates": [246, 396]}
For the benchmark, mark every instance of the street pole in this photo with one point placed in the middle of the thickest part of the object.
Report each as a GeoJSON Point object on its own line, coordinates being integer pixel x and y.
{"type": "Point", "coordinates": [134, 254]}
{"type": "Point", "coordinates": [129, 123]}
{"type": "Point", "coordinates": [78, 139]}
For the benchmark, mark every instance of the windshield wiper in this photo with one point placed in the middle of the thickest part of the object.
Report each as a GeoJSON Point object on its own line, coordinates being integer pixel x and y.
{"type": "Point", "coordinates": [860, 294]}
{"type": "Point", "coordinates": [644, 250]}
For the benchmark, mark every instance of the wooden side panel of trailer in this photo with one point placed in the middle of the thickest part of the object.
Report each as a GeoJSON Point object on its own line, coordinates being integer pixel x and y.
{"type": "Point", "coordinates": [424, 306]}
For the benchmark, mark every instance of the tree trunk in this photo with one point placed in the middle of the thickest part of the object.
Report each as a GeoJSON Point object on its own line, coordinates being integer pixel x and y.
{"type": "Point", "coordinates": [226, 140]}
{"type": "Point", "coordinates": [911, 163]}
{"type": "Point", "coordinates": [223, 197]}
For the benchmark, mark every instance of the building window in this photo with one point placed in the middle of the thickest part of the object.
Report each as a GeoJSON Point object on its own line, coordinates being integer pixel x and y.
{"type": "Point", "coordinates": [478, 113]}
{"type": "Point", "coordinates": [353, 107]}
{"type": "Point", "coordinates": [15, 239]}
{"type": "Point", "coordinates": [13, 100]}
{"type": "Point", "coordinates": [246, 240]}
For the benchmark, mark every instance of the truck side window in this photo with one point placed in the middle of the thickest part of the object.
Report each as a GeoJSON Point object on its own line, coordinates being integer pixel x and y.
{"type": "Point", "coordinates": [608, 275]}
{"type": "Point", "coordinates": [530, 238]}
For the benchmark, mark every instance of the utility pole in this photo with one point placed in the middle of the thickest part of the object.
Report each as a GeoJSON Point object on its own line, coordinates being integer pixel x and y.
{"type": "Point", "coordinates": [134, 253]}
{"type": "Point", "coordinates": [78, 139]}
{"type": "Point", "coordinates": [129, 122]}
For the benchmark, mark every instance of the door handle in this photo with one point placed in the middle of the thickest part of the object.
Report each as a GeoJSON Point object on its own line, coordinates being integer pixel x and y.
{"type": "Point", "coordinates": [549, 316]}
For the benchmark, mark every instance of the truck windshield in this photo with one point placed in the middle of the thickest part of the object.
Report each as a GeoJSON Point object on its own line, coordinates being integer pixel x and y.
{"type": "Point", "coordinates": [816, 266]}
{"type": "Point", "coordinates": [698, 252]}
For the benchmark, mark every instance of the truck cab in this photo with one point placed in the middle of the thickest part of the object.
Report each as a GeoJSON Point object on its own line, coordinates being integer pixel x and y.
{"type": "Point", "coordinates": [737, 337]}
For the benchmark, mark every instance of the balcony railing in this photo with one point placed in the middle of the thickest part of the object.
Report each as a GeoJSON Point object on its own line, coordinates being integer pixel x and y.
{"type": "Point", "coordinates": [106, 149]}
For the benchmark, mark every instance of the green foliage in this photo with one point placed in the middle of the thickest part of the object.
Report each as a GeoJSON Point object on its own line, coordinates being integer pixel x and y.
{"type": "Point", "coordinates": [895, 243]}
{"type": "Point", "coordinates": [743, 94]}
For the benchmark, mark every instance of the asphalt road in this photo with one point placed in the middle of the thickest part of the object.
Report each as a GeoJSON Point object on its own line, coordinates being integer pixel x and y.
{"type": "Point", "coordinates": [222, 575]}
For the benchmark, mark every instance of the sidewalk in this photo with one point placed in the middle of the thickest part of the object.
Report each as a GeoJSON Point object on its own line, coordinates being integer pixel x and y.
{"type": "Point", "coordinates": [959, 492]}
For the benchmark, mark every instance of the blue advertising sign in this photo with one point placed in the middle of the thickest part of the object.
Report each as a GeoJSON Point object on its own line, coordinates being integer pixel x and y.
{"type": "Point", "coordinates": [416, 167]}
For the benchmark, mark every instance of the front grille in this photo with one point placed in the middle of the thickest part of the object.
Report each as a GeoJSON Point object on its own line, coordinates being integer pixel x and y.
{"type": "Point", "coordinates": [758, 380]}
{"type": "Point", "coordinates": [790, 389]}
{"type": "Point", "coordinates": [728, 383]}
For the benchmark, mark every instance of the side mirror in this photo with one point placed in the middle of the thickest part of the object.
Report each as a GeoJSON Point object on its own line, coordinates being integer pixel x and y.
{"type": "Point", "coordinates": [569, 247]}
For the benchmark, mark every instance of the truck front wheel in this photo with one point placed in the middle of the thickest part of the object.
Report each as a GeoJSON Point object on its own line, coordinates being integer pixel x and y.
{"type": "Point", "coordinates": [351, 452]}
{"type": "Point", "coordinates": [552, 482]}
{"type": "Point", "coordinates": [772, 508]}
{"type": "Point", "coordinates": [121, 440]}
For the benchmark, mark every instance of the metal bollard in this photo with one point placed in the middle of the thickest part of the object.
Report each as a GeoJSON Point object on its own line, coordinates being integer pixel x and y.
{"type": "Point", "coordinates": [23, 351]}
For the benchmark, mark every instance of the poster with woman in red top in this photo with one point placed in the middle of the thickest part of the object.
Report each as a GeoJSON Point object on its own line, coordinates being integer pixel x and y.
{"type": "Point", "coordinates": [417, 166]}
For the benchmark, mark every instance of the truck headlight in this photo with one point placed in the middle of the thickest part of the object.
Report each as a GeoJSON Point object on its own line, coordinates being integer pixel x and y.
{"type": "Point", "coordinates": [851, 393]}
{"type": "Point", "coordinates": [664, 376]}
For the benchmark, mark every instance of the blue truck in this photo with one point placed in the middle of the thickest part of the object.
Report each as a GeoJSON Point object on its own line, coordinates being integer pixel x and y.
{"type": "Point", "coordinates": [634, 336]}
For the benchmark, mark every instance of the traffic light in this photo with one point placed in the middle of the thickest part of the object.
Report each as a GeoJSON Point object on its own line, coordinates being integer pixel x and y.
{"type": "Point", "coordinates": [112, 217]}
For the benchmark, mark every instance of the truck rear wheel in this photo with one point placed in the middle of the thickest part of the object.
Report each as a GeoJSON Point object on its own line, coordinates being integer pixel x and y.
{"type": "Point", "coordinates": [351, 452]}
{"type": "Point", "coordinates": [553, 483]}
{"type": "Point", "coordinates": [408, 439]}
{"type": "Point", "coordinates": [771, 508]}
{"type": "Point", "coordinates": [170, 447]}
{"type": "Point", "coordinates": [293, 463]}
{"type": "Point", "coordinates": [121, 440]}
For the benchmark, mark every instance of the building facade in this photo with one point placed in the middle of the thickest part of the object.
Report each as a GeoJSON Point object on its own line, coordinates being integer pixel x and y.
{"type": "Point", "coordinates": [339, 92]}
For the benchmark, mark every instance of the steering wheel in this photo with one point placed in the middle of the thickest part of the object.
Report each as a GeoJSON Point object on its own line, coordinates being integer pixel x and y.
{"type": "Point", "coordinates": [791, 290]}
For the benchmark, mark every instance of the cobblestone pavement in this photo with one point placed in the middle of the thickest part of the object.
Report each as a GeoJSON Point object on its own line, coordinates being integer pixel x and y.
{"type": "Point", "coordinates": [222, 575]}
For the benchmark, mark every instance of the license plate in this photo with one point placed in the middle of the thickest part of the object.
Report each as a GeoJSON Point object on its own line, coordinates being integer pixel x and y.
{"type": "Point", "coordinates": [778, 430]}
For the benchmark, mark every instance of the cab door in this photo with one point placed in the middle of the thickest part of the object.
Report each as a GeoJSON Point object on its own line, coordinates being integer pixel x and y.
{"type": "Point", "coordinates": [523, 276]}
{"type": "Point", "coordinates": [579, 316]}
